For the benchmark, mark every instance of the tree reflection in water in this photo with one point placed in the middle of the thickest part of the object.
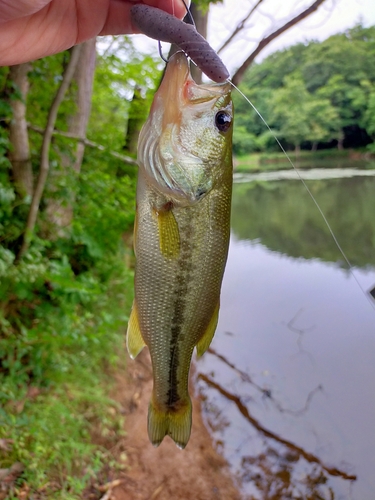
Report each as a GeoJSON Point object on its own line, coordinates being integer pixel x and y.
{"type": "Point", "coordinates": [284, 471]}
{"type": "Point", "coordinates": [273, 474]}
{"type": "Point", "coordinates": [282, 217]}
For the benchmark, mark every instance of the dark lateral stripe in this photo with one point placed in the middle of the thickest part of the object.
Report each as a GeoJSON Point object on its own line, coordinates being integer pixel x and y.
{"type": "Point", "coordinates": [182, 280]}
{"type": "Point", "coordinates": [172, 394]}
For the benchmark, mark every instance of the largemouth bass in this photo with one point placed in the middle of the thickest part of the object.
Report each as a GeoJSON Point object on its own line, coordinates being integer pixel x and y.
{"type": "Point", "coordinates": [181, 237]}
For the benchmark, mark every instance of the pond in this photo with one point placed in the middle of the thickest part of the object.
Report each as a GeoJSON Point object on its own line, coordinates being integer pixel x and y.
{"type": "Point", "coordinates": [288, 385]}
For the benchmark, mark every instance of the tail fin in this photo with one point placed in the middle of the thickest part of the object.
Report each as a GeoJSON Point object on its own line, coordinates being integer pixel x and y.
{"type": "Point", "coordinates": [176, 424]}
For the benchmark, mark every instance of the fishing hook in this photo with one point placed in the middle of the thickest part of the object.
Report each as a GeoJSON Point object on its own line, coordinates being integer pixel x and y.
{"type": "Point", "coordinates": [161, 52]}
{"type": "Point", "coordinates": [188, 12]}
{"type": "Point", "coordinates": [164, 27]}
{"type": "Point", "coordinates": [192, 22]}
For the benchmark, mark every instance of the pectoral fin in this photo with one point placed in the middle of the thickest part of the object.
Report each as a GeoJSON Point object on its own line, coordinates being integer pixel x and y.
{"type": "Point", "coordinates": [134, 340]}
{"type": "Point", "coordinates": [169, 236]}
{"type": "Point", "coordinates": [208, 335]}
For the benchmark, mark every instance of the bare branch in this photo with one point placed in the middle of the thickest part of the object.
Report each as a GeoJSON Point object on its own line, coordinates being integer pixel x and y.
{"type": "Point", "coordinates": [113, 41]}
{"type": "Point", "coordinates": [240, 26]}
{"type": "Point", "coordinates": [44, 159]}
{"type": "Point", "coordinates": [86, 142]}
{"type": "Point", "coordinates": [239, 74]}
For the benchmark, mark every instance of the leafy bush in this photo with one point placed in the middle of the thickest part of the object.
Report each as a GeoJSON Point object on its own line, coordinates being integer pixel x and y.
{"type": "Point", "coordinates": [63, 313]}
{"type": "Point", "coordinates": [64, 306]}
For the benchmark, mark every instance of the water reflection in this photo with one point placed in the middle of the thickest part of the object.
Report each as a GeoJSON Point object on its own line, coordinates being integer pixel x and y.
{"type": "Point", "coordinates": [283, 217]}
{"type": "Point", "coordinates": [288, 383]}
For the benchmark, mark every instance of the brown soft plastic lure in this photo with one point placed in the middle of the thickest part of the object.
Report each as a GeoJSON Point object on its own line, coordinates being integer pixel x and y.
{"type": "Point", "coordinates": [160, 25]}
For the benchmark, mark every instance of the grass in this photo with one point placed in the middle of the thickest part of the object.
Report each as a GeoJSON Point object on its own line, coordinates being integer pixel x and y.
{"type": "Point", "coordinates": [48, 428]}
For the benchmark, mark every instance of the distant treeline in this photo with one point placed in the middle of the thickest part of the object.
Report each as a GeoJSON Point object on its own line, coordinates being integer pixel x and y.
{"type": "Point", "coordinates": [313, 95]}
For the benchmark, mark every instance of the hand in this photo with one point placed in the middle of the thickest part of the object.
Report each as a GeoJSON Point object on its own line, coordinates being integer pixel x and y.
{"type": "Point", "coordinates": [30, 29]}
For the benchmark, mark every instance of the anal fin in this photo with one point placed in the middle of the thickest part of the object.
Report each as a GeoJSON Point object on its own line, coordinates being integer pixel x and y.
{"type": "Point", "coordinates": [134, 340]}
{"type": "Point", "coordinates": [206, 339]}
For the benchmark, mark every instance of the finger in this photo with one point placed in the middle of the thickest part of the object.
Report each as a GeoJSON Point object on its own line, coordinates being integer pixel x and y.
{"type": "Point", "coordinates": [175, 7]}
{"type": "Point", "coordinates": [118, 19]}
{"type": "Point", "coordinates": [10, 9]}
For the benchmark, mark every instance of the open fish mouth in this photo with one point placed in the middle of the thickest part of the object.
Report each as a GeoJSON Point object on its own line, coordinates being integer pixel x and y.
{"type": "Point", "coordinates": [175, 157]}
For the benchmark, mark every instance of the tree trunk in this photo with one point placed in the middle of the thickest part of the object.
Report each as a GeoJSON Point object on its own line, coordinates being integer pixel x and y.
{"type": "Point", "coordinates": [84, 78]}
{"type": "Point", "coordinates": [61, 213]}
{"type": "Point", "coordinates": [314, 146]}
{"type": "Point", "coordinates": [340, 142]}
{"type": "Point", "coordinates": [135, 122]}
{"type": "Point", "coordinates": [201, 20]}
{"type": "Point", "coordinates": [19, 155]}
{"type": "Point", "coordinates": [44, 156]}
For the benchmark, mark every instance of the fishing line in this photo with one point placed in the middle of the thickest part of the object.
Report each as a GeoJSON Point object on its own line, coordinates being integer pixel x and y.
{"type": "Point", "coordinates": [368, 294]}
{"type": "Point", "coordinates": [188, 11]}
{"type": "Point", "coordinates": [350, 267]}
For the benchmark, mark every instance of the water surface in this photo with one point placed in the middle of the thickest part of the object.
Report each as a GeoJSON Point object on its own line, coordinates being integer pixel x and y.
{"type": "Point", "coordinates": [289, 386]}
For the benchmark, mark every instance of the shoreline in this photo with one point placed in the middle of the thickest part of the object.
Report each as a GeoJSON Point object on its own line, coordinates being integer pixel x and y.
{"type": "Point", "coordinates": [198, 472]}
{"type": "Point", "coordinates": [305, 174]}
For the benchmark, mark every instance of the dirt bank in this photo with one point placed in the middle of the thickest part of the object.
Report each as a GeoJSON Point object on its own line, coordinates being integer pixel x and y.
{"type": "Point", "coordinates": [164, 473]}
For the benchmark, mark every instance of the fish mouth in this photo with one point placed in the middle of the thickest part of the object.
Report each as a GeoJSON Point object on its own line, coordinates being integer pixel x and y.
{"type": "Point", "coordinates": [178, 88]}
{"type": "Point", "coordinates": [174, 144]}
{"type": "Point", "coordinates": [171, 91]}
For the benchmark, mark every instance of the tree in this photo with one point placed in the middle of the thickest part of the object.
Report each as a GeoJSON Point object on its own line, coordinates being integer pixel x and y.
{"type": "Point", "coordinates": [64, 300]}
{"type": "Point", "coordinates": [335, 88]}
{"type": "Point", "coordinates": [44, 156]}
{"type": "Point", "coordinates": [60, 210]}
{"type": "Point", "coordinates": [19, 154]}
{"type": "Point", "coordinates": [323, 120]}
{"type": "Point", "coordinates": [369, 119]}
{"type": "Point", "coordinates": [300, 116]}
{"type": "Point", "coordinates": [289, 106]}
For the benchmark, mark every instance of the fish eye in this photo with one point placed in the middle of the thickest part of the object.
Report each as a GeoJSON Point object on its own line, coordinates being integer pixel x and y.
{"type": "Point", "coordinates": [223, 121]}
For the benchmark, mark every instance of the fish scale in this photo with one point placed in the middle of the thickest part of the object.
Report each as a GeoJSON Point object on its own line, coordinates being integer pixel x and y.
{"type": "Point", "coordinates": [181, 238]}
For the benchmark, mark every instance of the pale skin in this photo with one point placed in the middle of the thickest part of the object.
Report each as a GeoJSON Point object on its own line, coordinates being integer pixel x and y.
{"type": "Point", "coordinates": [31, 29]}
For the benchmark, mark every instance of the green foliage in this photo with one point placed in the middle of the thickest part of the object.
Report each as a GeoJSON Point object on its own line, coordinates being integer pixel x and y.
{"type": "Point", "coordinates": [312, 93]}
{"type": "Point", "coordinates": [50, 430]}
{"type": "Point", "coordinates": [369, 116]}
{"type": "Point", "coordinates": [300, 116]}
{"type": "Point", "coordinates": [5, 117]}
{"type": "Point", "coordinates": [205, 4]}
{"type": "Point", "coordinates": [64, 306]}
{"type": "Point", "coordinates": [59, 332]}
{"type": "Point", "coordinates": [63, 314]}
{"type": "Point", "coordinates": [119, 73]}
{"type": "Point", "coordinates": [243, 141]}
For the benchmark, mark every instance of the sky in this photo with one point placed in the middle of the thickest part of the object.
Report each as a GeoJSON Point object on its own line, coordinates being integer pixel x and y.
{"type": "Point", "coordinates": [332, 17]}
